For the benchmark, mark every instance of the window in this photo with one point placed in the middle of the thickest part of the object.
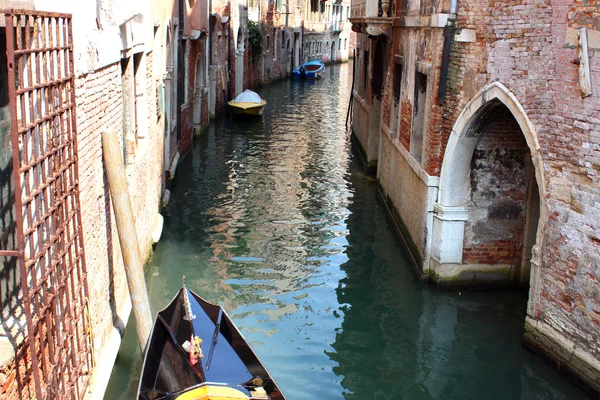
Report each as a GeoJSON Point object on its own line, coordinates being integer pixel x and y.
{"type": "Point", "coordinates": [345, 44]}
{"type": "Point", "coordinates": [397, 94]}
{"type": "Point", "coordinates": [133, 80]}
{"type": "Point", "coordinates": [268, 43]}
{"type": "Point", "coordinates": [416, 139]}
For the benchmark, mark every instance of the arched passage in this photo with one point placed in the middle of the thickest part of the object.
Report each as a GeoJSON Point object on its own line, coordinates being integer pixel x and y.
{"type": "Point", "coordinates": [491, 200]}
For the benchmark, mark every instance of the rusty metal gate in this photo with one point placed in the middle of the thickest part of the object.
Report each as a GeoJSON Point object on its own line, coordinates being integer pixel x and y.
{"type": "Point", "coordinates": [39, 48]}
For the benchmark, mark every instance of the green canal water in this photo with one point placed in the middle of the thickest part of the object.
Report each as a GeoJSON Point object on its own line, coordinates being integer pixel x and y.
{"type": "Point", "coordinates": [274, 219]}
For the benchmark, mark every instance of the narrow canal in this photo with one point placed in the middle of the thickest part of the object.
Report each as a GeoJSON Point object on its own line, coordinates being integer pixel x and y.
{"type": "Point", "coordinates": [275, 220]}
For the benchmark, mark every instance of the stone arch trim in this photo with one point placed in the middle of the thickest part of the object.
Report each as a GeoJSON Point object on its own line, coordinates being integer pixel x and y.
{"type": "Point", "coordinates": [450, 212]}
{"type": "Point", "coordinates": [453, 164]}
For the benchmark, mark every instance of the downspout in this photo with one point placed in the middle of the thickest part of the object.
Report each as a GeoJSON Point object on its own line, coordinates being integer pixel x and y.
{"type": "Point", "coordinates": [448, 38]}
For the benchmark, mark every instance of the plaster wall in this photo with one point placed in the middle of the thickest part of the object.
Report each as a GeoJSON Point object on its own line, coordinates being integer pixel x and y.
{"type": "Point", "coordinates": [103, 32]}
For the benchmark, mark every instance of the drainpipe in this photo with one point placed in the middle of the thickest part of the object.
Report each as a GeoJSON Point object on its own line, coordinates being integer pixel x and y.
{"type": "Point", "coordinates": [448, 37]}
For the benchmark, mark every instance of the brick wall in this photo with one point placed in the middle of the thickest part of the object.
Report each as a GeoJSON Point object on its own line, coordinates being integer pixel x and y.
{"type": "Point", "coordinates": [106, 278]}
{"type": "Point", "coordinates": [17, 382]}
{"type": "Point", "coordinates": [99, 108]}
{"type": "Point", "coordinates": [570, 139]}
{"type": "Point", "coordinates": [187, 109]}
{"type": "Point", "coordinates": [531, 48]}
{"type": "Point", "coordinates": [220, 51]}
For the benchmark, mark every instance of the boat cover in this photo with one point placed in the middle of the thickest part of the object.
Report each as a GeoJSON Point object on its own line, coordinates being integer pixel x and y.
{"type": "Point", "coordinates": [248, 96]}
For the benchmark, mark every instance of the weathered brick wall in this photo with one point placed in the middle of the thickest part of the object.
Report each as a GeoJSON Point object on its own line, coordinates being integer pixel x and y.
{"type": "Point", "coordinates": [17, 382]}
{"type": "Point", "coordinates": [273, 61]}
{"type": "Point", "coordinates": [220, 51]}
{"type": "Point", "coordinates": [570, 139]}
{"type": "Point", "coordinates": [498, 198]}
{"type": "Point", "coordinates": [187, 110]}
{"type": "Point", "coordinates": [99, 108]}
{"type": "Point", "coordinates": [513, 45]}
{"type": "Point", "coordinates": [528, 47]}
{"type": "Point", "coordinates": [531, 48]}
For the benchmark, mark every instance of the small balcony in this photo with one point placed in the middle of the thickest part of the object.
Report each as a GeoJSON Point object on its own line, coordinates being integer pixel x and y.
{"type": "Point", "coordinates": [373, 17]}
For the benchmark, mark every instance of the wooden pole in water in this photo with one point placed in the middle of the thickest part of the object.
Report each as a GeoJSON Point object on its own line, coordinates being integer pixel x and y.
{"type": "Point", "coordinates": [134, 268]}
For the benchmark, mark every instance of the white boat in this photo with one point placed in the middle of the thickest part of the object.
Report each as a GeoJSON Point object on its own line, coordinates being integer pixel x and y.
{"type": "Point", "coordinates": [248, 103]}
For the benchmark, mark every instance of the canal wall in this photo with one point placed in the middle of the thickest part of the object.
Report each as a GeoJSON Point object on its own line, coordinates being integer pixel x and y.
{"type": "Point", "coordinates": [219, 54]}
{"type": "Point", "coordinates": [109, 294]}
{"type": "Point", "coordinates": [123, 67]}
{"type": "Point", "coordinates": [194, 113]}
{"type": "Point", "coordinates": [514, 145]}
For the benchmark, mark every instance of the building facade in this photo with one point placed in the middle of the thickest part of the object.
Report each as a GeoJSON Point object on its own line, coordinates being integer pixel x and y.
{"type": "Point", "coordinates": [326, 30]}
{"type": "Point", "coordinates": [280, 24]}
{"type": "Point", "coordinates": [137, 69]}
{"type": "Point", "coordinates": [481, 122]}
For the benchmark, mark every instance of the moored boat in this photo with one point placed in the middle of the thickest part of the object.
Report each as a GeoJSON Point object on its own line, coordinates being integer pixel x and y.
{"type": "Point", "coordinates": [247, 103]}
{"type": "Point", "coordinates": [196, 352]}
{"type": "Point", "coordinates": [309, 70]}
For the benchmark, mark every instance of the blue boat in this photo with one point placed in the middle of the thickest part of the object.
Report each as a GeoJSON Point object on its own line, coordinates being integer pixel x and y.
{"type": "Point", "coordinates": [309, 70]}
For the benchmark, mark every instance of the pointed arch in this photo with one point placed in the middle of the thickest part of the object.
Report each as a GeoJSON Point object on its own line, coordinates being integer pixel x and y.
{"type": "Point", "coordinates": [451, 212]}
{"type": "Point", "coordinates": [454, 173]}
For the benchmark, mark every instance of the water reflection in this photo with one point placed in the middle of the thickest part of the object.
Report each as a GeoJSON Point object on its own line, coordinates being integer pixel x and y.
{"type": "Point", "coordinates": [273, 219]}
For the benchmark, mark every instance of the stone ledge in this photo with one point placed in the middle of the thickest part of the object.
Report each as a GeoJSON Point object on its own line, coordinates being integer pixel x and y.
{"type": "Point", "coordinates": [562, 352]}
{"type": "Point", "coordinates": [429, 180]}
{"type": "Point", "coordinates": [471, 275]}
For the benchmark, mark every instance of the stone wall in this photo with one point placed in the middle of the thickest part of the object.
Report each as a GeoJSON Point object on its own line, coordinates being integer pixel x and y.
{"type": "Point", "coordinates": [406, 190]}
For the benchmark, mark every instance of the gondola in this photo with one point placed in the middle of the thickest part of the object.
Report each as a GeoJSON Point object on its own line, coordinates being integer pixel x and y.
{"type": "Point", "coordinates": [195, 352]}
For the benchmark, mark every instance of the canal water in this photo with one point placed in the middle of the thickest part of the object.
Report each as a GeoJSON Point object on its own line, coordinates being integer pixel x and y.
{"type": "Point", "coordinates": [274, 219]}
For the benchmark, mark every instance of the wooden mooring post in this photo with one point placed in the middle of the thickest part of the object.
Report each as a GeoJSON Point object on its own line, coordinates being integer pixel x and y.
{"type": "Point", "coordinates": [134, 268]}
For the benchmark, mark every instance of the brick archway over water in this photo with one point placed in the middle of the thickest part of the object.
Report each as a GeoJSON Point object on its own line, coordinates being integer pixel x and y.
{"type": "Point", "coordinates": [451, 210]}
